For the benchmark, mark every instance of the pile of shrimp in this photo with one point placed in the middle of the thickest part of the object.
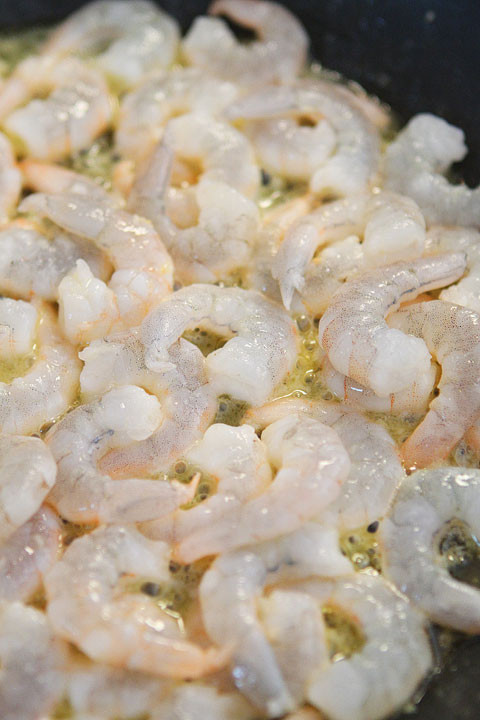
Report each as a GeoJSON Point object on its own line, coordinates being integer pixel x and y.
{"type": "Point", "coordinates": [240, 378]}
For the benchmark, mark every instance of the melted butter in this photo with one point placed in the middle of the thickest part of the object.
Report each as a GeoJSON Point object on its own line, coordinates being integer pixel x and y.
{"type": "Point", "coordinates": [17, 367]}
{"type": "Point", "coordinates": [275, 191]}
{"type": "Point", "coordinates": [344, 636]}
{"type": "Point", "coordinates": [362, 548]}
{"type": "Point", "coordinates": [205, 340]}
{"type": "Point", "coordinates": [185, 473]}
{"type": "Point", "coordinates": [230, 411]}
{"type": "Point", "coordinates": [96, 162]}
{"type": "Point", "coordinates": [459, 552]}
{"type": "Point", "coordinates": [14, 47]}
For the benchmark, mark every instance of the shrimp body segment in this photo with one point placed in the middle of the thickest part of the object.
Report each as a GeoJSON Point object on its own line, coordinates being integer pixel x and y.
{"type": "Point", "coordinates": [452, 335]}
{"type": "Point", "coordinates": [10, 180]}
{"type": "Point", "coordinates": [27, 473]}
{"type": "Point", "coordinates": [354, 333]}
{"type": "Point", "coordinates": [82, 493]}
{"type": "Point", "coordinates": [262, 343]}
{"type": "Point", "coordinates": [278, 55]}
{"type": "Point", "coordinates": [124, 629]}
{"type": "Point", "coordinates": [411, 539]}
{"type": "Point", "coordinates": [447, 239]}
{"type": "Point", "coordinates": [312, 463]}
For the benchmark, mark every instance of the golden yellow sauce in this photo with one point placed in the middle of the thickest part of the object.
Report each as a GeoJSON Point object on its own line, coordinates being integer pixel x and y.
{"type": "Point", "coordinates": [16, 367]}
{"type": "Point", "coordinates": [343, 634]}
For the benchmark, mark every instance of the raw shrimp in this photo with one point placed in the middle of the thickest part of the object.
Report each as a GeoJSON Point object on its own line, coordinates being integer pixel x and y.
{"type": "Point", "coordinates": [76, 112]}
{"type": "Point", "coordinates": [278, 56]}
{"type": "Point", "coordinates": [356, 337]}
{"type": "Point", "coordinates": [140, 37]}
{"type": "Point", "coordinates": [143, 268]}
{"type": "Point", "coordinates": [28, 554]}
{"type": "Point", "coordinates": [248, 367]}
{"type": "Point", "coordinates": [238, 460]}
{"type": "Point", "coordinates": [452, 335]}
{"type": "Point", "coordinates": [145, 111]}
{"type": "Point", "coordinates": [82, 493]}
{"type": "Point", "coordinates": [18, 324]}
{"type": "Point", "coordinates": [414, 399]}
{"type": "Point", "coordinates": [353, 166]}
{"type": "Point", "coordinates": [312, 464]}
{"type": "Point", "coordinates": [32, 678]}
{"type": "Point", "coordinates": [395, 657]}
{"type": "Point", "coordinates": [219, 151]}
{"type": "Point", "coordinates": [392, 226]}
{"type": "Point", "coordinates": [193, 701]}
{"type": "Point", "coordinates": [27, 473]}
{"type": "Point", "coordinates": [444, 239]}
{"type": "Point", "coordinates": [229, 594]}
{"type": "Point", "coordinates": [187, 402]}
{"type": "Point", "coordinates": [10, 180]}
{"type": "Point", "coordinates": [221, 239]}
{"type": "Point", "coordinates": [415, 162]}
{"type": "Point", "coordinates": [125, 629]}
{"type": "Point", "coordinates": [375, 472]}
{"type": "Point", "coordinates": [48, 387]}
{"type": "Point", "coordinates": [411, 539]}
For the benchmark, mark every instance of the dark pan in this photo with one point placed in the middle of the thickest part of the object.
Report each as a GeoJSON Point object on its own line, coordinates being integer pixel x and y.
{"type": "Point", "coordinates": [417, 55]}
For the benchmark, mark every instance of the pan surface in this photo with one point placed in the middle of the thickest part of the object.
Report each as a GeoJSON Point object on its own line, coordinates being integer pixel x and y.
{"type": "Point", "coordinates": [417, 56]}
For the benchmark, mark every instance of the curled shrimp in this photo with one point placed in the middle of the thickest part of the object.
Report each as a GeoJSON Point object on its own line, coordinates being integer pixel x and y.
{"type": "Point", "coordinates": [187, 403]}
{"type": "Point", "coordinates": [230, 592]}
{"type": "Point", "coordinates": [28, 554]}
{"type": "Point", "coordinates": [82, 494]}
{"type": "Point", "coordinates": [143, 268]}
{"type": "Point", "coordinates": [32, 658]}
{"type": "Point", "coordinates": [446, 239]}
{"type": "Point", "coordinates": [10, 180]}
{"type": "Point", "coordinates": [87, 606]}
{"type": "Point", "coordinates": [18, 325]}
{"type": "Point", "coordinates": [353, 167]}
{"type": "Point", "coordinates": [375, 471]}
{"type": "Point", "coordinates": [221, 239]}
{"type": "Point", "coordinates": [411, 539]}
{"type": "Point", "coordinates": [392, 226]}
{"type": "Point", "coordinates": [77, 111]}
{"type": "Point", "coordinates": [394, 659]}
{"type": "Point", "coordinates": [27, 473]}
{"type": "Point", "coordinates": [48, 388]}
{"type": "Point", "coordinates": [355, 335]}
{"type": "Point", "coordinates": [278, 56]}
{"type": "Point", "coordinates": [452, 335]}
{"type": "Point", "coordinates": [140, 38]}
{"type": "Point", "coordinates": [415, 162]}
{"type": "Point", "coordinates": [32, 264]}
{"type": "Point", "coordinates": [312, 463]}
{"type": "Point", "coordinates": [145, 111]}
{"type": "Point", "coordinates": [261, 348]}
{"type": "Point", "coordinates": [238, 460]}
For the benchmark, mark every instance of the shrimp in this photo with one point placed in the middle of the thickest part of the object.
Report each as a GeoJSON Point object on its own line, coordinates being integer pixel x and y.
{"type": "Point", "coordinates": [443, 239]}
{"type": "Point", "coordinates": [237, 459]}
{"type": "Point", "coordinates": [33, 264]}
{"type": "Point", "coordinates": [10, 180]}
{"type": "Point", "coordinates": [197, 702]}
{"type": "Point", "coordinates": [414, 399]}
{"type": "Point", "coordinates": [48, 387]}
{"type": "Point", "coordinates": [222, 152]}
{"type": "Point", "coordinates": [392, 226]}
{"type": "Point", "coordinates": [140, 36]}
{"type": "Point", "coordinates": [77, 111]}
{"type": "Point", "coordinates": [143, 268]}
{"type": "Point", "coordinates": [375, 471]}
{"type": "Point", "coordinates": [452, 335]}
{"type": "Point", "coordinates": [278, 56]}
{"type": "Point", "coordinates": [353, 167]}
{"type": "Point", "coordinates": [229, 595]}
{"type": "Point", "coordinates": [188, 404]}
{"type": "Point", "coordinates": [411, 539]}
{"type": "Point", "coordinates": [312, 463]}
{"type": "Point", "coordinates": [51, 178]}
{"type": "Point", "coordinates": [124, 629]}
{"type": "Point", "coordinates": [27, 473]}
{"type": "Point", "coordinates": [145, 111]}
{"type": "Point", "coordinates": [218, 243]}
{"type": "Point", "coordinates": [28, 554]}
{"type": "Point", "coordinates": [82, 494]}
{"type": "Point", "coordinates": [356, 337]}
{"type": "Point", "coordinates": [414, 163]}
{"type": "Point", "coordinates": [261, 352]}
{"type": "Point", "coordinates": [18, 321]}
{"type": "Point", "coordinates": [395, 657]}
{"type": "Point", "coordinates": [32, 660]}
